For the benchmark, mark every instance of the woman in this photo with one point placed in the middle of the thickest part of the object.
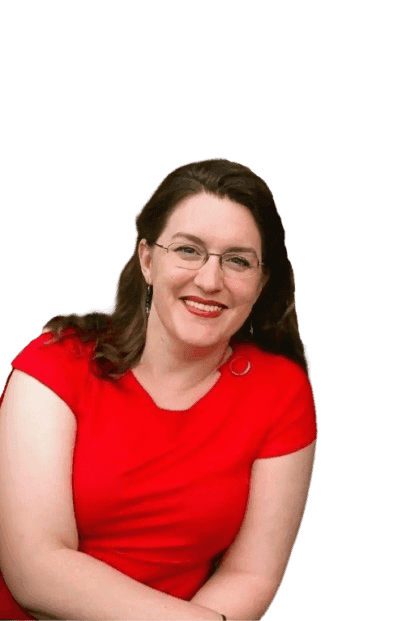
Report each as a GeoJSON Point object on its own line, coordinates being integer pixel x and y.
{"type": "Point", "coordinates": [155, 463]}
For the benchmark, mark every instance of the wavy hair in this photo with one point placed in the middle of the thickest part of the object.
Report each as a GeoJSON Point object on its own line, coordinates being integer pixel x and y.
{"type": "Point", "coordinates": [272, 324]}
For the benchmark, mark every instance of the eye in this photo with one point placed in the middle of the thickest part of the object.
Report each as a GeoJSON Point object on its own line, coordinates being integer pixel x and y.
{"type": "Point", "coordinates": [187, 252]}
{"type": "Point", "coordinates": [237, 262]}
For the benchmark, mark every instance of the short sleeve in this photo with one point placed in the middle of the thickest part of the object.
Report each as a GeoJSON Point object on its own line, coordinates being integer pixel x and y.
{"type": "Point", "coordinates": [61, 366]}
{"type": "Point", "coordinates": [292, 420]}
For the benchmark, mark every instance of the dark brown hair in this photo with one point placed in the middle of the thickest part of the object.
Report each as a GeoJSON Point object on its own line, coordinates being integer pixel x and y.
{"type": "Point", "coordinates": [120, 336]}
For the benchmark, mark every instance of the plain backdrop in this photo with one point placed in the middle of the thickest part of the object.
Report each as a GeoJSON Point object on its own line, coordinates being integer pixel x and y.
{"type": "Point", "coordinates": [101, 100]}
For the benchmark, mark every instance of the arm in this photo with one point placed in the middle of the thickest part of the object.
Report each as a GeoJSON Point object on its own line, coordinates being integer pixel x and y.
{"type": "Point", "coordinates": [39, 556]}
{"type": "Point", "coordinates": [74, 585]}
{"type": "Point", "coordinates": [252, 569]}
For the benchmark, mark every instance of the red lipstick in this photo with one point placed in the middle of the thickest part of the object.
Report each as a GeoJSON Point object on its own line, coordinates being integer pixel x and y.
{"type": "Point", "coordinates": [201, 312]}
{"type": "Point", "coordinates": [194, 298]}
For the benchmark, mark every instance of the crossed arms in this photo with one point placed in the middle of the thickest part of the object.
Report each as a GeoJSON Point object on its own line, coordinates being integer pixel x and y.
{"type": "Point", "coordinates": [39, 554]}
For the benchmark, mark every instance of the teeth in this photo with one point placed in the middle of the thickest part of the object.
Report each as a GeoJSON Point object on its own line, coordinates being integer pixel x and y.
{"type": "Point", "coordinates": [203, 307]}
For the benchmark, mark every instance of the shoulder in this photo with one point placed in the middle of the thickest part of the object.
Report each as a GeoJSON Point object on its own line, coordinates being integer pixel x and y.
{"type": "Point", "coordinates": [281, 397]}
{"type": "Point", "coordinates": [63, 366]}
{"type": "Point", "coordinates": [263, 365]}
{"type": "Point", "coordinates": [46, 357]}
{"type": "Point", "coordinates": [69, 345]}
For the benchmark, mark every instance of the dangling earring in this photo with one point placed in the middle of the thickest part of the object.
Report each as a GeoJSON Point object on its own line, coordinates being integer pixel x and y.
{"type": "Point", "coordinates": [287, 311]}
{"type": "Point", "coordinates": [148, 299]}
{"type": "Point", "coordinates": [251, 327]}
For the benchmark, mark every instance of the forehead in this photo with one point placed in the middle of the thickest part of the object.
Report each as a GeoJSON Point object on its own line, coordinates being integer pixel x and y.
{"type": "Point", "coordinates": [217, 221]}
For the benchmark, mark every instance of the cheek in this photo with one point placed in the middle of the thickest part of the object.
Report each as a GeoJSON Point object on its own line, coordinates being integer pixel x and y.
{"type": "Point", "coordinates": [170, 284]}
{"type": "Point", "coordinates": [244, 295]}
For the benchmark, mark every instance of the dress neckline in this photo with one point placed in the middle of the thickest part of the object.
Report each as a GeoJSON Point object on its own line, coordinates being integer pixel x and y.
{"type": "Point", "coordinates": [222, 370]}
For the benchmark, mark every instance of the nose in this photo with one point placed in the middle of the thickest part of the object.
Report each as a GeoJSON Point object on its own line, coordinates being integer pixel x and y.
{"type": "Point", "coordinates": [210, 275]}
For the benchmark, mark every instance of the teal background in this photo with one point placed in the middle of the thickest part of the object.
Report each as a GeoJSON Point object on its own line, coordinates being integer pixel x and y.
{"type": "Point", "coordinates": [100, 100]}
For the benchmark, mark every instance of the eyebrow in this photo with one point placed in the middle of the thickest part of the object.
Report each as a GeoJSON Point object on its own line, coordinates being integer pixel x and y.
{"type": "Point", "coordinates": [197, 240]}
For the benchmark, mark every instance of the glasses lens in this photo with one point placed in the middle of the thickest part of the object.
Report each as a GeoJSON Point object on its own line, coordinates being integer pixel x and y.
{"type": "Point", "coordinates": [237, 265]}
{"type": "Point", "coordinates": [187, 255]}
{"type": "Point", "coordinates": [240, 265]}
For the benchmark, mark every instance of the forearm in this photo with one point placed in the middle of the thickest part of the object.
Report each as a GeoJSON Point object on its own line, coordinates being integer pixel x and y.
{"type": "Point", "coordinates": [67, 584]}
{"type": "Point", "coordinates": [236, 595]}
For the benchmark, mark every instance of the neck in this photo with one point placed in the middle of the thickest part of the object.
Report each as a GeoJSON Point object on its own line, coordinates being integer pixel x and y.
{"type": "Point", "coordinates": [183, 365]}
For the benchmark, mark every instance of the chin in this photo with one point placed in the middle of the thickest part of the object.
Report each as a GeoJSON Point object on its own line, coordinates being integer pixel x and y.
{"type": "Point", "coordinates": [202, 340]}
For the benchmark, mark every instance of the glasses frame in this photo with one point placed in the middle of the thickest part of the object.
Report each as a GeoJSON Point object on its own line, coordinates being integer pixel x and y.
{"type": "Point", "coordinates": [206, 256]}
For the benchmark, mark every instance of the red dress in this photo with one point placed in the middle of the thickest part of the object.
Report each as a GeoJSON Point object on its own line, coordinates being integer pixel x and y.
{"type": "Point", "coordinates": [159, 493]}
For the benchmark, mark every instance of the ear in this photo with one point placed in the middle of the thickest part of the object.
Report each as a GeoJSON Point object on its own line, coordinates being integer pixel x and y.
{"type": "Point", "coordinates": [145, 258]}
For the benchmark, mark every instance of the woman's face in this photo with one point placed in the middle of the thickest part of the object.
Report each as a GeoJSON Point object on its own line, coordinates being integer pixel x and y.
{"type": "Point", "coordinates": [220, 224]}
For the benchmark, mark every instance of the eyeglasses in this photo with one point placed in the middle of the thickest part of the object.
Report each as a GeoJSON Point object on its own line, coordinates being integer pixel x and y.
{"type": "Point", "coordinates": [239, 265]}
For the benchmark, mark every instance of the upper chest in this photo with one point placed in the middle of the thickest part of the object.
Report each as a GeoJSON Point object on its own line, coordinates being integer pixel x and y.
{"type": "Point", "coordinates": [168, 395]}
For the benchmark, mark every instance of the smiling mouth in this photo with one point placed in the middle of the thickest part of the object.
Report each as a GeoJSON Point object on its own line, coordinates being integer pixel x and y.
{"type": "Point", "coordinates": [201, 303]}
{"type": "Point", "coordinates": [202, 310]}
{"type": "Point", "coordinates": [204, 307]}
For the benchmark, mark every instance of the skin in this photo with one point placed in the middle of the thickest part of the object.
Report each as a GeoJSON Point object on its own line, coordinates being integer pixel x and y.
{"type": "Point", "coordinates": [183, 351]}
{"type": "Point", "coordinates": [179, 347]}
